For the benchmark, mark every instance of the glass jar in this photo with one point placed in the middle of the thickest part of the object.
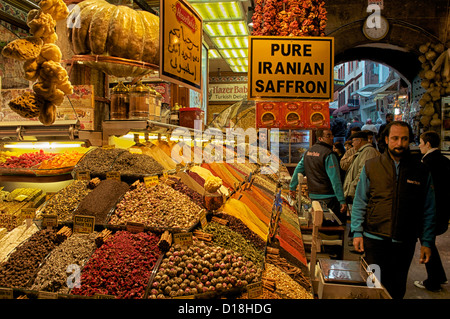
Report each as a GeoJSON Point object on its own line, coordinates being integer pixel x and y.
{"type": "Point", "coordinates": [139, 102]}
{"type": "Point", "coordinates": [158, 106]}
{"type": "Point", "coordinates": [152, 104]}
{"type": "Point", "coordinates": [120, 102]}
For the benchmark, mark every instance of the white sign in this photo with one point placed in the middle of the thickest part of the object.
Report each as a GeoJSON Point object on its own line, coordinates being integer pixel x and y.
{"type": "Point", "coordinates": [227, 92]}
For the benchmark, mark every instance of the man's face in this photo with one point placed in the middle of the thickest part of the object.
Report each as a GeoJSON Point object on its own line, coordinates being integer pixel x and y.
{"type": "Point", "coordinates": [424, 147]}
{"type": "Point", "coordinates": [398, 140]}
{"type": "Point", "coordinates": [389, 118]}
{"type": "Point", "coordinates": [327, 137]}
{"type": "Point", "coordinates": [357, 142]}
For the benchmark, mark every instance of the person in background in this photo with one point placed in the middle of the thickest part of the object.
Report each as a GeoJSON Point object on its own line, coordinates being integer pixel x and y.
{"type": "Point", "coordinates": [380, 136]}
{"type": "Point", "coordinates": [354, 123]}
{"type": "Point", "coordinates": [339, 149]}
{"type": "Point", "coordinates": [439, 166]}
{"type": "Point", "coordinates": [379, 122]}
{"type": "Point", "coordinates": [339, 128]}
{"type": "Point", "coordinates": [364, 151]}
{"type": "Point", "coordinates": [348, 157]}
{"type": "Point", "coordinates": [348, 145]}
{"type": "Point", "coordinates": [369, 126]}
{"type": "Point", "coordinates": [394, 205]}
{"type": "Point", "coordinates": [371, 137]}
{"type": "Point", "coordinates": [320, 166]}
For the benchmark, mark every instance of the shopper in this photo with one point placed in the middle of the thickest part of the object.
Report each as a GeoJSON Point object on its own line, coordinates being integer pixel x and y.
{"type": "Point", "coordinates": [348, 157]}
{"type": "Point", "coordinates": [339, 128]}
{"type": "Point", "coordinates": [320, 166]}
{"type": "Point", "coordinates": [439, 166]}
{"type": "Point", "coordinates": [348, 145]}
{"type": "Point", "coordinates": [339, 149]}
{"type": "Point", "coordinates": [354, 123]}
{"type": "Point", "coordinates": [380, 136]}
{"type": "Point", "coordinates": [364, 151]}
{"type": "Point", "coordinates": [369, 126]}
{"type": "Point", "coordinates": [394, 205]}
{"type": "Point", "coordinates": [378, 125]}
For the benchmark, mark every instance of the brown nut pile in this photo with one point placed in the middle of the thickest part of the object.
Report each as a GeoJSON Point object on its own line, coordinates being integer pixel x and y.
{"type": "Point", "coordinates": [23, 263]}
{"type": "Point", "coordinates": [160, 206]}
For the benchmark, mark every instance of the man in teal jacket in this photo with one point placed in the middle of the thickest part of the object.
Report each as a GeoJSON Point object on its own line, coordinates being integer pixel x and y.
{"type": "Point", "coordinates": [394, 205]}
{"type": "Point", "coordinates": [321, 167]}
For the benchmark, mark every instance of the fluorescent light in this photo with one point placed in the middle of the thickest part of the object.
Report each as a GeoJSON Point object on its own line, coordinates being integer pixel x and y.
{"type": "Point", "coordinates": [210, 30]}
{"type": "Point", "coordinates": [43, 145]}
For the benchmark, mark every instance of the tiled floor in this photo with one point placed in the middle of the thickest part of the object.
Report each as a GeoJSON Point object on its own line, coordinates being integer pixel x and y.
{"type": "Point", "coordinates": [417, 271]}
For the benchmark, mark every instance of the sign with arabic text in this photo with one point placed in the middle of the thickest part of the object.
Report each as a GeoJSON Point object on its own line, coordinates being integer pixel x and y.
{"type": "Point", "coordinates": [181, 44]}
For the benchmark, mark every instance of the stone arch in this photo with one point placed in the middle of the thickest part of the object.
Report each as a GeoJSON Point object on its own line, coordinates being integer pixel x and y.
{"type": "Point", "coordinates": [399, 49]}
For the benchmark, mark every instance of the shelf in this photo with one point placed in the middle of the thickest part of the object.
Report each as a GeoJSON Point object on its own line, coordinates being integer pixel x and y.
{"type": "Point", "coordinates": [35, 179]}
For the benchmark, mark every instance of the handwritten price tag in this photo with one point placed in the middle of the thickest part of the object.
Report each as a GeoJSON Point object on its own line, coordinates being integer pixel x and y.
{"type": "Point", "coordinates": [151, 181]}
{"type": "Point", "coordinates": [183, 239]}
{"type": "Point", "coordinates": [84, 176]}
{"type": "Point", "coordinates": [254, 290]}
{"type": "Point", "coordinates": [83, 224]}
{"type": "Point", "coordinates": [113, 175]}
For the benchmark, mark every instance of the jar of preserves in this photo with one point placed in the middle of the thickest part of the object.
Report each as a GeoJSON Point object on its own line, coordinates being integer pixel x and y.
{"type": "Point", "coordinates": [120, 102]}
{"type": "Point", "coordinates": [139, 102]}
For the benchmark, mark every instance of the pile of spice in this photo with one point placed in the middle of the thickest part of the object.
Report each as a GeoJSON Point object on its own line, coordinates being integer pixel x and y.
{"type": "Point", "coordinates": [225, 237]}
{"type": "Point", "coordinates": [286, 287]}
{"type": "Point", "coordinates": [121, 266]}
{"type": "Point", "coordinates": [157, 206]}
{"type": "Point", "coordinates": [75, 250]}
{"type": "Point", "coordinates": [23, 262]}
{"type": "Point", "coordinates": [65, 201]}
{"type": "Point", "coordinates": [178, 185]}
{"type": "Point", "coordinates": [102, 200]}
{"type": "Point", "coordinates": [238, 226]}
{"type": "Point", "coordinates": [98, 161]}
{"type": "Point", "coordinates": [136, 165]}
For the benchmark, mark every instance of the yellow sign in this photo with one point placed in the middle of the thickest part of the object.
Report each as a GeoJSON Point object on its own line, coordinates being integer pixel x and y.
{"type": "Point", "coordinates": [291, 68]}
{"type": "Point", "coordinates": [181, 44]}
{"type": "Point", "coordinates": [83, 224]}
{"type": "Point", "coordinates": [183, 239]}
{"type": "Point", "coordinates": [151, 181]}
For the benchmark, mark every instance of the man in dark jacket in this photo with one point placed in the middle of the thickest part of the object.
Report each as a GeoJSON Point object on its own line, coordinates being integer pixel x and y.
{"type": "Point", "coordinates": [355, 123]}
{"type": "Point", "coordinates": [320, 166]}
{"type": "Point", "coordinates": [339, 128]}
{"type": "Point", "coordinates": [394, 205]}
{"type": "Point", "coordinates": [380, 136]}
{"type": "Point", "coordinates": [439, 166]}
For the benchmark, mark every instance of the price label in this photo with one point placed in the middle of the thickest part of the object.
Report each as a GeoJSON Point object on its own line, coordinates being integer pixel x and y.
{"type": "Point", "coordinates": [84, 176]}
{"type": "Point", "coordinates": [113, 175]}
{"type": "Point", "coordinates": [47, 295]}
{"type": "Point", "coordinates": [108, 147]}
{"type": "Point", "coordinates": [28, 213]}
{"type": "Point", "coordinates": [135, 150]}
{"type": "Point", "coordinates": [183, 239]}
{"type": "Point", "coordinates": [254, 290]}
{"type": "Point", "coordinates": [49, 221]}
{"type": "Point", "coordinates": [83, 224]}
{"type": "Point", "coordinates": [151, 181]}
{"type": "Point", "coordinates": [203, 220]}
{"type": "Point", "coordinates": [134, 227]}
{"type": "Point", "coordinates": [6, 293]}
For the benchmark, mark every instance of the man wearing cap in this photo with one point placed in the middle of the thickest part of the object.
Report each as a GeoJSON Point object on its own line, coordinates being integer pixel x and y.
{"type": "Point", "coordinates": [321, 167]}
{"type": "Point", "coordinates": [369, 126]}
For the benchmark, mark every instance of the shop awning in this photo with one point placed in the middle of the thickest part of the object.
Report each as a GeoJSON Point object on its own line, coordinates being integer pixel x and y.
{"type": "Point", "coordinates": [388, 88]}
{"type": "Point", "coordinates": [368, 90]}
